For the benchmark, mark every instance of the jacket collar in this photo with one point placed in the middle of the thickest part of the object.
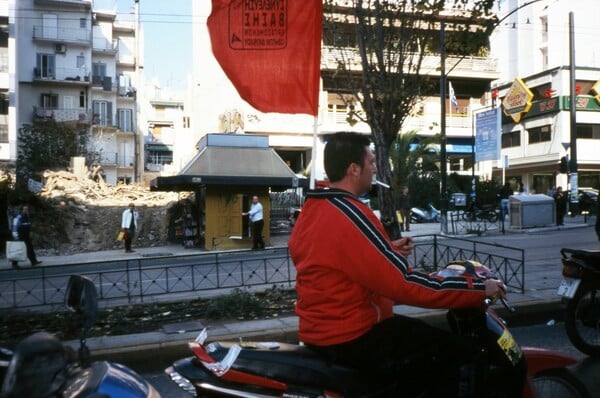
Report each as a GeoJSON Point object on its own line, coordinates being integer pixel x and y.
{"type": "Point", "coordinates": [330, 193]}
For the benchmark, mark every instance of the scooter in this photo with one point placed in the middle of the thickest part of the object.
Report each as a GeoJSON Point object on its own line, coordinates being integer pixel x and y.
{"type": "Point", "coordinates": [580, 288]}
{"type": "Point", "coordinates": [274, 369]}
{"type": "Point", "coordinates": [419, 215]}
{"type": "Point", "coordinates": [483, 212]}
{"type": "Point", "coordinates": [42, 367]}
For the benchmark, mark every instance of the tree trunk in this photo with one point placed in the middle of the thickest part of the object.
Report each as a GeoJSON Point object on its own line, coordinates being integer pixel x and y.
{"type": "Point", "coordinates": [385, 196]}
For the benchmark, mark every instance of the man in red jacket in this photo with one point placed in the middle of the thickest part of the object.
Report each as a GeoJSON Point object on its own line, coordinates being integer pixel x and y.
{"type": "Point", "coordinates": [349, 275]}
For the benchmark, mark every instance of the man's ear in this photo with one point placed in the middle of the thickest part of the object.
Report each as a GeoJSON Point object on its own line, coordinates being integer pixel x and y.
{"type": "Point", "coordinates": [354, 169]}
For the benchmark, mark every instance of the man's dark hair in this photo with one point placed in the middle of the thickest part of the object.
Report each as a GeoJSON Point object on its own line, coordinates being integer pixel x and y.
{"type": "Point", "coordinates": [341, 151]}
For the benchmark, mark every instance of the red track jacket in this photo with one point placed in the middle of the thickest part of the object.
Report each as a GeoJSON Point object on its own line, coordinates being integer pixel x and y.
{"type": "Point", "coordinates": [349, 275]}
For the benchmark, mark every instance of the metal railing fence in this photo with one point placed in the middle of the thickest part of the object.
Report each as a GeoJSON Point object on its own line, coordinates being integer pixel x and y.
{"type": "Point", "coordinates": [208, 274]}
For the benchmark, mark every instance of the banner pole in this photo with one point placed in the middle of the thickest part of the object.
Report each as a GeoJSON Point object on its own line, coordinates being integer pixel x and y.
{"type": "Point", "coordinates": [313, 160]}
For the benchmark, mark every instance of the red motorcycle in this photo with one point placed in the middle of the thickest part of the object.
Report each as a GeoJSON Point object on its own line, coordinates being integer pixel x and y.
{"type": "Point", "coordinates": [274, 369]}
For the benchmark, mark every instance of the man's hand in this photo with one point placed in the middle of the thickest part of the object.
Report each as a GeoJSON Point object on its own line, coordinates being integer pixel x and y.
{"type": "Point", "coordinates": [403, 245]}
{"type": "Point", "coordinates": [495, 289]}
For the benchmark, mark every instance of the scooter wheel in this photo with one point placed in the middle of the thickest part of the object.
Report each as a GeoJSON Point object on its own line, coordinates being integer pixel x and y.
{"type": "Point", "coordinates": [558, 382]}
{"type": "Point", "coordinates": [582, 320]}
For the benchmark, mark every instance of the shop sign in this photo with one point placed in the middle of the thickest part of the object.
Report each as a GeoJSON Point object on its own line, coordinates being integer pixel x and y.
{"type": "Point", "coordinates": [596, 91]}
{"type": "Point", "coordinates": [517, 100]}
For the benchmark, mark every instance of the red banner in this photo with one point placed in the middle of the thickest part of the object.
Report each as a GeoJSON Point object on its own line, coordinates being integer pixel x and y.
{"type": "Point", "coordinates": [271, 51]}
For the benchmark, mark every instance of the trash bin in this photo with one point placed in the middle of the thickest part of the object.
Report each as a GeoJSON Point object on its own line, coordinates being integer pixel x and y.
{"type": "Point", "coordinates": [528, 211]}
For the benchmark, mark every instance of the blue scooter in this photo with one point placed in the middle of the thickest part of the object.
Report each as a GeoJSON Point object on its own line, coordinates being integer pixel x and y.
{"type": "Point", "coordinates": [419, 215]}
{"type": "Point", "coordinates": [41, 366]}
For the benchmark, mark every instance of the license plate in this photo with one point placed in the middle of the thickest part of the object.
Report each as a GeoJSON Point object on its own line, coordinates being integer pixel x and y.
{"type": "Point", "coordinates": [568, 287]}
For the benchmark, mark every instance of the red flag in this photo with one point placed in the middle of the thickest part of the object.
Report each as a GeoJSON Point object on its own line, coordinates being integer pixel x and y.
{"type": "Point", "coordinates": [271, 51]}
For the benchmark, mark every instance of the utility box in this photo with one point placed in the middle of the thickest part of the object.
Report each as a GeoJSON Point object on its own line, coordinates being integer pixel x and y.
{"type": "Point", "coordinates": [528, 211]}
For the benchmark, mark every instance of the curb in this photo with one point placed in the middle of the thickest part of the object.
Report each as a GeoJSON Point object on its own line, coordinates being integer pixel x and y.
{"type": "Point", "coordinates": [166, 347]}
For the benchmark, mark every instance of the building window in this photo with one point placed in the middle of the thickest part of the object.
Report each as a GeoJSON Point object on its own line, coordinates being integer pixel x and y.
{"type": "Point", "coordinates": [82, 99]}
{"type": "Point", "coordinates": [511, 139]}
{"type": "Point", "coordinates": [588, 131]}
{"type": "Point", "coordinates": [186, 122]}
{"type": "Point", "coordinates": [49, 101]}
{"type": "Point", "coordinates": [3, 133]}
{"type": "Point", "coordinates": [160, 157]}
{"type": "Point", "coordinates": [82, 22]}
{"type": "Point", "coordinates": [102, 113]}
{"type": "Point", "coordinates": [539, 134]}
{"type": "Point", "coordinates": [125, 119]}
{"type": "Point", "coordinates": [4, 103]}
{"type": "Point", "coordinates": [45, 66]}
{"type": "Point", "coordinates": [98, 73]}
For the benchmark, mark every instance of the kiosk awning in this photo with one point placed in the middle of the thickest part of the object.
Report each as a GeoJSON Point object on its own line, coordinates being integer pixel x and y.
{"type": "Point", "coordinates": [226, 159]}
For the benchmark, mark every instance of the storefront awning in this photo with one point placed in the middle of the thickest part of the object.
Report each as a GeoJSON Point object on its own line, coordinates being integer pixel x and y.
{"type": "Point", "coordinates": [158, 147]}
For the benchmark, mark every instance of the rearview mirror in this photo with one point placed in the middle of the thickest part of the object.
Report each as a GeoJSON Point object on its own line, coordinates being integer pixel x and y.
{"type": "Point", "coordinates": [81, 297]}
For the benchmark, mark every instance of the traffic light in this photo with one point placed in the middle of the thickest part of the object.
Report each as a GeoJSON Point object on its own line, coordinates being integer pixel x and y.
{"type": "Point", "coordinates": [564, 165]}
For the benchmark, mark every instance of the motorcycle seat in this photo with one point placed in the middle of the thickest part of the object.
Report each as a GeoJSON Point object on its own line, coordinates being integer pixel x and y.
{"type": "Point", "coordinates": [297, 365]}
{"type": "Point", "coordinates": [588, 256]}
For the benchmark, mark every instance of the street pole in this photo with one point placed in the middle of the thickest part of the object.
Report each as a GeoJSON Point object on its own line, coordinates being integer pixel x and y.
{"type": "Point", "coordinates": [573, 175]}
{"type": "Point", "coordinates": [443, 195]}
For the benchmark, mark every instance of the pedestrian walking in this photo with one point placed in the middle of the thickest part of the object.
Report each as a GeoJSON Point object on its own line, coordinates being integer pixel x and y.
{"type": "Point", "coordinates": [22, 231]}
{"type": "Point", "coordinates": [404, 206]}
{"type": "Point", "coordinates": [129, 223]}
{"type": "Point", "coordinates": [256, 218]}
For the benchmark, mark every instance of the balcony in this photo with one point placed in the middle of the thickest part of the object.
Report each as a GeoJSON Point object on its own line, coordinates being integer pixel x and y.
{"type": "Point", "coordinates": [127, 91]}
{"type": "Point", "coordinates": [80, 36]}
{"type": "Point", "coordinates": [474, 67]}
{"type": "Point", "coordinates": [76, 76]}
{"type": "Point", "coordinates": [3, 59]}
{"type": "Point", "coordinates": [61, 115]}
{"type": "Point", "coordinates": [103, 46]}
{"type": "Point", "coordinates": [3, 129]}
{"type": "Point", "coordinates": [65, 3]}
{"type": "Point", "coordinates": [105, 82]}
{"type": "Point", "coordinates": [104, 120]}
{"type": "Point", "coordinates": [109, 158]}
{"type": "Point", "coordinates": [116, 160]}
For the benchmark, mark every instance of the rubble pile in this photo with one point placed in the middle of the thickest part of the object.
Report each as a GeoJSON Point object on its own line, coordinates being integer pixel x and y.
{"type": "Point", "coordinates": [76, 214]}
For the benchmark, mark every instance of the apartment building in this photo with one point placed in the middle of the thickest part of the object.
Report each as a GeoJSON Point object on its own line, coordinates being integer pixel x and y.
{"type": "Point", "coordinates": [7, 51]}
{"type": "Point", "coordinates": [114, 97]}
{"type": "Point", "coordinates": [77, 65]}
{"type": "Point", "coordinates": [532, 43]}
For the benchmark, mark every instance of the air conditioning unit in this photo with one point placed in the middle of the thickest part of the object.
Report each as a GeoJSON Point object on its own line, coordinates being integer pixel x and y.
{"type": "Point", "coordinates": [61, 48]}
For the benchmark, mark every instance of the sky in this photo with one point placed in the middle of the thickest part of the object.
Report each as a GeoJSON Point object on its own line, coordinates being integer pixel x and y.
{"type": "Point", "coordinates": [167, 27]}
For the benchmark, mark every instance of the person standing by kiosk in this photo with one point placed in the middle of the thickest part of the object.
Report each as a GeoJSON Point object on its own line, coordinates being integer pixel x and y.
{"type": "Point", "coordinates": [256, 218]}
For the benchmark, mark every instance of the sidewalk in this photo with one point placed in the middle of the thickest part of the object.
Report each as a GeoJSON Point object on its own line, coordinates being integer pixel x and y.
{"type": "Point", "coordinates": [539, 300]}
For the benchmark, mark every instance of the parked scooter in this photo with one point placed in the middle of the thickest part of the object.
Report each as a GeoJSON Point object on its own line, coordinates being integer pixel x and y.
{"type": "Point", "coordinates": [488, 212]}
{"type": "Point", "coordinates": [419, 215]}
{"type": "Point", "coordinates": [42, 367]}
{"type": "Point", "coordinates": [580, 288]}
{"type": "Point", "coordinates": [273, 369]}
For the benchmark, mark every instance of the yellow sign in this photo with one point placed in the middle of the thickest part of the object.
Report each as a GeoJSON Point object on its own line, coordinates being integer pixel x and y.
{"type": "Point", "coordinates": [517, 100]}
{"type": "Point", "coordinates": [596, 91]}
